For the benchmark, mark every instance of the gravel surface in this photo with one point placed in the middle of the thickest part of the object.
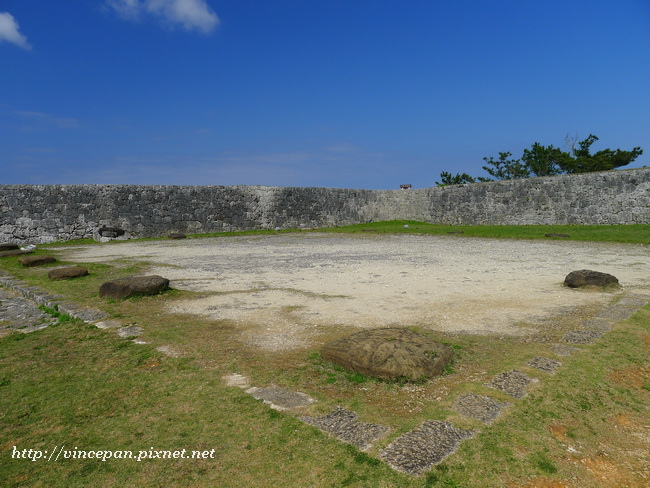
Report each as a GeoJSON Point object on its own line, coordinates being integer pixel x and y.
{"type": "Point", "coordinates": [479, 407]}
{"type": "Point", "coordinates": [511, 382]}
{"type": "Point", "coordinates": [345, 426]}
{"type": "Point", "coordinates": [282, 289]}
{"type": "Point", "coordinates": [544, 364]}
{"type": "Point", "coordinates": [416, 451]}
{"type": "Point", "coordinates": [563, 350]}
{"type": "Point", "coordinates": [582, 336]}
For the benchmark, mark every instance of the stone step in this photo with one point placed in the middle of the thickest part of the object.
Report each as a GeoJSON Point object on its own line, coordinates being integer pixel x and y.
{"type": "Point", "coordinates": [418, 450]}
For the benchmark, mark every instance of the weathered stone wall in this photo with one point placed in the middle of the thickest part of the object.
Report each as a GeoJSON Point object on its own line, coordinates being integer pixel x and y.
{"type": "Point", "coordinates": [613, 197]}
{"type": "Point", "coordinates": [44, 213]}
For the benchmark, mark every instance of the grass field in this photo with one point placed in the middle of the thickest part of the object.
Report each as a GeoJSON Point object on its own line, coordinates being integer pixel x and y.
{"type": "Point", "coordinates": [638, 233]}
{"type": "Point", "coordinates": [84, 388]}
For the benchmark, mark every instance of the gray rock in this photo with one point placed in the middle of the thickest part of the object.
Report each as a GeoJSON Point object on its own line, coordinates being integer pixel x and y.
{"type": "Point", "coordinates": [582, 336]}
{"type": "Point", "coordinates": [111, 232]}
{"type": "Point", "coordinates": [511, 382]}
{"type": "Point", "coordinates": [479, 407]}
{"type": "Point", "coordinates": [279, 398]}
{"type": "Point", "coordinates": [17, 313]}
{"type": "Point", "coordinates": [345, 426]}
{"type": "Point", "coordinates": [544, 364]}
{"type": "Point", "coordinates": [390, 353]}
{"type": "Point", "coordinates": [132, 286]}
{"type": "Point", "coordinates": [417, 451]}
{"type": "Point", "coordinates": [589, 278]}
{"type": "Point", "coordinates": [89, 314]}
{"type": "Point", "coordinates": [131, 331]}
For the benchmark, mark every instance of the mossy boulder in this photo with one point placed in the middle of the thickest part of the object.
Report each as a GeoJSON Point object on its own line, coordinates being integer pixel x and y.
{"type": "Point", "coordinates": [391, 353]}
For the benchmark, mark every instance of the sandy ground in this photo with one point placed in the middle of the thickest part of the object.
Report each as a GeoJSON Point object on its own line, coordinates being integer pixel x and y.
{"type": "Point", "coordinates": [283, 288]}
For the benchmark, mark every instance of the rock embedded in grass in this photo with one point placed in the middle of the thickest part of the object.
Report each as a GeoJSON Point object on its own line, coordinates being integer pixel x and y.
{"type": "Point", "coordinates": [133, 286]}
{"type": "Point", "coordinates": [346, 426]}
{"type": "Point", "coordinates": [279, 398]}
{"type": "Point", "coordinates": [68, 273]}
{"type": "Point", "coordinates": [479, 407]}
{"type": "Point", "coordinates": [8, 247]}
{"type": "Point", "coordinates": [39, 260]}
{"type": "Point", "coordinates": [391, 353]}
{"type": "Point", "coordinates": [511, 382]}
{"type": "Point", "coordinates": [591, 279]}
{"type": "Point", "coordinates": [544, 364]}
{"type": "Point", "coordinates": [418, 450]}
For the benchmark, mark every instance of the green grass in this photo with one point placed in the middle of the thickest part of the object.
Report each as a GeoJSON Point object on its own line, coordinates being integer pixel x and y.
{"type": "Point", "coordinates": [633, 233]}
{"type": "Point", "coordinates": [86, 388]}
{"type": "Point", "coordinates": [638, 233]}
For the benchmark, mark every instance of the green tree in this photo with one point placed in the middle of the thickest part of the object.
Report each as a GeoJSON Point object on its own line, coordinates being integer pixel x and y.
{"type": "Point", "coordinates": [548, 161]}
{"type": "Point", "coordinates": [545, 160]}
{"type": "Point", "coordinates": [457, 179]}
{"type": "Point", "coordinates": [504, 168]}
{"type": "Point", "coordinates": [584, 162]}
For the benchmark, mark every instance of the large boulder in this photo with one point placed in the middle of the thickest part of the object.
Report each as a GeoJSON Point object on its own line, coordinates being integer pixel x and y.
{"type": "Point", "coordinates": [588, 278]}
{"type": "Point", "coordinates": [38, 260]}
{"type": "Point", "coordinates": [391, 353]}
{"type": "Point", "coordinates": [111, 232]}
{"type": "Point", "coordinates": [8, 247]}
{"type": "Point", "coordinates": [134, 285]}
{"type": "Point", "coordinates": [67, 273]}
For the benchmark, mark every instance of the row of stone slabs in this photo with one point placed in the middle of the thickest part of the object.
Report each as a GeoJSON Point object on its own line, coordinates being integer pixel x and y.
{"type": "Point", "coordinates": [35, 319]}
{"type": "Point", "coordinates": [417, 451]}
{"type": "Point", "coordinates": [414, 452]}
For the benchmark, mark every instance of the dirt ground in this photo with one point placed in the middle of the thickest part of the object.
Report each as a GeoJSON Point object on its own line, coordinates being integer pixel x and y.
{"type": "Point", "coordinates": [290, 285]}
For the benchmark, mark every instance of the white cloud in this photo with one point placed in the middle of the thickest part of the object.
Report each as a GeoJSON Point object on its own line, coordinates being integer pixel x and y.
{"type": "Point", "coordinates": [188, 14]}
{"type": "Point", "coordinates": [129, 9]}
{"type": "Point", "coordinates": [9, 31]}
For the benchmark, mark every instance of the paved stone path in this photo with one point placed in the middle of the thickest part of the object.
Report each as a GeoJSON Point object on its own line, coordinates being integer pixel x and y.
{"type": "Point", "coordinates": [17, 313]}
{"type": "Point", "coordinates": [479, 407]}
{"type": "Point", "coordinates": [418, 450]}
{"type": "Point", "coordinates": [346, 426]}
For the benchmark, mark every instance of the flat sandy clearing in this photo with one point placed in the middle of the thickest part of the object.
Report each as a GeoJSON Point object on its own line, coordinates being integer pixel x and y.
{"type": "Point", "coordinates": [283, 289]}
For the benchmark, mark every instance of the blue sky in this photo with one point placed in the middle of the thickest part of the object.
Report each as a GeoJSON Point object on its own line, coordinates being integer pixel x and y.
{"type": "Point", "coordinates": [329, 93]}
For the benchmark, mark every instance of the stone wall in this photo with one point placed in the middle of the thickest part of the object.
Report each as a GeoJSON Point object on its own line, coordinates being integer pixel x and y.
{"type": "Point", "coordinates": [612, 197]}
{"type": "Point", "coordinates": [45, 213]}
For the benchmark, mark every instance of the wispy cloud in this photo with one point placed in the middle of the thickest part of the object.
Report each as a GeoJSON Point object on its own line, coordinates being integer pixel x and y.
{"type": "Point", "coordinates": [47, 119]}
{"type": "Point", "coordinates": [187, 14]}
{"type": "Point", "coordinates": [10, 32]}
{"type": "Point", "coordinates": [128, 9]}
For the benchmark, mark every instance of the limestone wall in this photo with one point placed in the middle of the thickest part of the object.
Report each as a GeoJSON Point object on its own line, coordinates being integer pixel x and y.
{"type": "Point", "coordinates": [613, 197]}
{"type": "Point", "coordinates": [44, 213]}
